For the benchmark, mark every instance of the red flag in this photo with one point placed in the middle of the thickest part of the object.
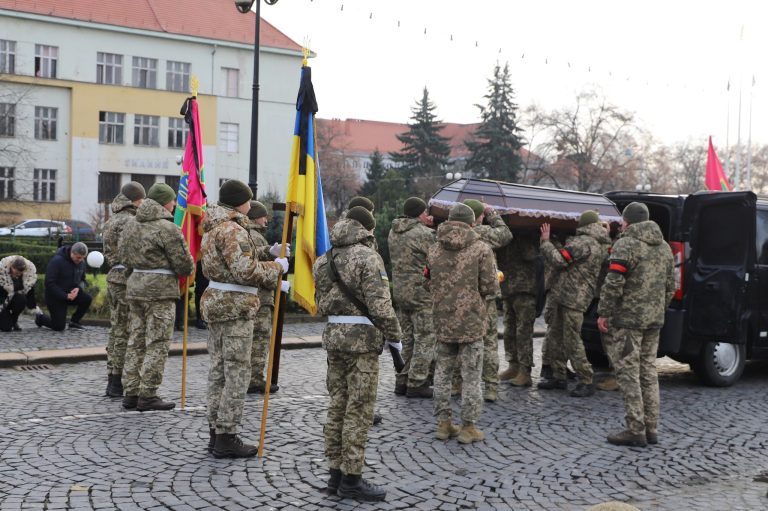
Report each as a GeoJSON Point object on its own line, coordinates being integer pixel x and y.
{"type": "Point", "coordinates": [715, 179]}
{"type": "Point", "coordinates": [190, 201]}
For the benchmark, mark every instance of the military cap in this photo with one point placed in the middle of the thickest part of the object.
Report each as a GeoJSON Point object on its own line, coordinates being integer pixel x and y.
{"type": "Point", "coordinates": [234, 193]}
{"type": "Point", "coordinates": [413, 207]}
{"type": "Point", "coordinates": [361, 201]}
{"type": "Point", "coordinates": [635, 212]}
{"type": "Point", "coordinates": [161, 193]}
{"type": "Point", "coordinates": [363, 216]}
{"type": "Point", "coordinates": [461, 213]}
{"type": "Point", "coordinates": [258, 210]}
{"type": "Point", "coordinates": [133, 191]}
{"type": "Point", "coordinates": [588, 217]}
{"type": "Point", "coordinates": [476, 205]}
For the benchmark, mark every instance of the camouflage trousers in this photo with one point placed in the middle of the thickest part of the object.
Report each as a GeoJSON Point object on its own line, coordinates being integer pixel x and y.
{"type": "Point", "coordinates": [469, 357]}
{"type": "Point", "coordinates": [566, 344]}
{"type": "Point", "coordinates": [635, 367]}
{"type": "Point", "coordinates": [262, 333]}
{"type": "Point", "coordinates": [519, 316]}
{"type": "Point", "coordinates": [150, 327]}
{"type": "Point", "coordinates": [418, 346]}
{"type": "Point", "coordinates": [229, 346]}
{"type": "Point", "coordinates": [546, 352]}
{"type": "Point", "coordinates": [490, 369]}
{"type": "Point", "coordinates": [118, 330]}
{"type": "Point", "coordinates": [351, 381]}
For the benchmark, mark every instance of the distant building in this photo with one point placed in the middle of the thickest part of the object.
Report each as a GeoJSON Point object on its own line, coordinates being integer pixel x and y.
{"type": "Point", "coordinates": [90, 94]}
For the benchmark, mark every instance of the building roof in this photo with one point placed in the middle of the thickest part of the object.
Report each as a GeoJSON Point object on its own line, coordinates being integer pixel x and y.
{"type": "Point", "coordinates": [210, 19]}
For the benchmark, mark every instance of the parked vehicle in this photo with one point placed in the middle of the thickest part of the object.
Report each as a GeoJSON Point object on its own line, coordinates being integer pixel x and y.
{"type": "Point", "coordinates": [79, 230]}
{"type": "Point", "coordinates": [34, 227]}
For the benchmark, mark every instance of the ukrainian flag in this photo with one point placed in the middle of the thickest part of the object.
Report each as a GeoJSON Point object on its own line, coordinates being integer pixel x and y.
{"type": "Point", "coordinates": [305, 196]}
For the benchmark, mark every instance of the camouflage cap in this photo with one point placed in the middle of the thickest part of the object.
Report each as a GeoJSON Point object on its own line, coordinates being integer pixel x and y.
{"type": "Point", "coordinates": [461, 213]}
{"type": "Point", "coordinates": [588, 217]}
{"type": "Point", "coordinates": [413, 207]}
{"type": "Point", "coordinates": [363, 216]}
{"type": "Point", "coordinates": [476, 205]}
{"type": "Point", "coordinates": [635, 212]}
{"type": "Point", "coordinates": [361, 201]}
{"type": "Point", "coordinates": [133, 191]}
{"type": "Point", "coordinates": [258, 210]}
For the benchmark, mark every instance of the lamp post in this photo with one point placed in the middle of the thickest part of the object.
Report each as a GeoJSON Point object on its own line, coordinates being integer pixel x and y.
{"type": "Point", "coordinates": [245, 6]}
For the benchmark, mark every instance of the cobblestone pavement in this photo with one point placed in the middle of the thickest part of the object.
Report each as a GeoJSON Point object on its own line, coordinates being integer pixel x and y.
{"type": "Point", "coordinates": [63, 446]}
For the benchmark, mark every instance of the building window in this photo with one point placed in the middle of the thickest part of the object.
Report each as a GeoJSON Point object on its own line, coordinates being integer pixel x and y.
{"type": "Point", "coordinates": [7, 119]}
{"type": "Point", "coordinates": [6, 183]}
{"type": "Point", "coordinates": [7, 57]}
{"type": "Point", "coordinates": [144, 73]}
{"type": "Point", "coordinates": [231, 81]}
{"type": "Point", "coordinates": [46, 58]}
{"type": "Point", "coordinates": [146, 130]}
{"type": "Point", "coordinates": [228, 137]}
{"type": "Point", "coordinates": [177, 76]}
{"type": "Point", "coordinates": [44, 185]}
{"type": "Point", "coordinates": [111, 128]}
{"type": "Point", "coordinates": [173, 182]}
{"type": "Point", "coordinates": [109, 68]}
{"type": "Point", "coordinates": [146, 180]}
{"type": "Point", "coordinates": [109, 186]}
{"type": "Point", "coordinates": [177, 132]}
{"type": "Point", "coordinates": [45, 122]}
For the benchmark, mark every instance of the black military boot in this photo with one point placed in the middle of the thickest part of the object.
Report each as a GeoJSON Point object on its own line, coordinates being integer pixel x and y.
{"type": "Point", "coordinates": [259, 387]}
{"type": "Point", "coordinates": [552, 384]}
{"type": "Point", "coordinates": [357, 488]}
{"type": "Point", "coordinates": [211, 440]}
{"type": "Point", "coordinates": [333, 480]}
{"type": "Point", "coordinates": [377, 418]}
{"type": "Point", "coordinates": [583, 390]}
{"type": "Point", "coordinates": [422, 390]}
{"type": "Point", "coordinates": [130, 402]}
{"type": "Point", "coordinates": [229, 445]}
{"type": "Point", "coordinates": [109, 384]}
{"type": "Point", "coordinates": [400, 389]}
{"type": "Point", "coordinates": [546, 372]}
{"type": "Point", "coordinates": [115, 387]}
{"type": "Point", "coordinates": [147, 404]}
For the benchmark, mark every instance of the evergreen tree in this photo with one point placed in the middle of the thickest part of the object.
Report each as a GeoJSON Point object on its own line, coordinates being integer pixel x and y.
{"type": "Point", "coordinates": [375, 173]}
{"type": "Point", "coordinates": [425, 151]}
{"type": "Point", "coordinates": [495, 147]}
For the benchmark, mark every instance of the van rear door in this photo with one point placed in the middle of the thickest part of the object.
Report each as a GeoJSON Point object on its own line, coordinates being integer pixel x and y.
{"type": "Point", "coordinates": [721, 235]}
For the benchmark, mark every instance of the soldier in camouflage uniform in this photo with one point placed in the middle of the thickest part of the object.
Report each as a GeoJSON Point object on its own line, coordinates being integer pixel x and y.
{"type": "Point", "coordinates": [637, 290]}
{"type": "Point", "coordinates": [409, 241]}
{"type": "Point", "coordinates": [229, 305]}
{"type": "Point", "coordinates": [262, 324]}
{"type": "Point", "coordinates": [578, 266]}
{"type": "Point", "coordinates": [353, 339]}
{"type": "Point", "coordinates": [461, 272]}
{"type": "Point", "coordinates": [518, 290]}
{"type": "Point", "coordinates": [123, 209]}
{"type": "Point", "coordinates": [156, 255]}
{"type": "Point", "coordinates": [496, 235]}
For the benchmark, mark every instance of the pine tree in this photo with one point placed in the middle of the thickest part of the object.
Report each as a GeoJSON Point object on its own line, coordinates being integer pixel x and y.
{"type": "Point", "coordinates": [375, 173]}
{"type": "Point", "coordinates": [425, 151]}
{"type": "Point", "coordinates": [495, 147]}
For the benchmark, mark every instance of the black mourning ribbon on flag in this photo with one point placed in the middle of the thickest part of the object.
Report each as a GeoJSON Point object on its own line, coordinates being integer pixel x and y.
{"type": "Point", "coordinates": [186, 111]}
{"type": "Point", "coordinates": [306, 103]}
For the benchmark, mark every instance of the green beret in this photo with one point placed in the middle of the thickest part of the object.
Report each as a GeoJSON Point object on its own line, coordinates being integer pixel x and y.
{"type": "Point", "coordinates": [476, 205]}
{"type": "Point", "coordinates": [635, 212]}
{"type": "Point", "coordinates": [461, 213]}
{"type": "Point", "coordinates": [361, 201]}
{"type": "Point", "coordinates": [161, 193]}
{"type": "Point", "coordinates": [258, 210]}
{"type": "Point", "coordinates": [414, 206]}
{"type": "Point", "coordinates": [234, 193]}
{"type": "Point", "coordinates": [133, 191]}
{"type": "Point", "coordinates": [588, 217]}
{"type": "Point", "coordinates": [363, 216]}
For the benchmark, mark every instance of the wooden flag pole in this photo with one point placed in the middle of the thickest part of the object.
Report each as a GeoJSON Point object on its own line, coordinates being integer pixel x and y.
{"type": "Point", "coordinates": [279, 300]}
{"type": "Point", "coordinates": [186, 324]}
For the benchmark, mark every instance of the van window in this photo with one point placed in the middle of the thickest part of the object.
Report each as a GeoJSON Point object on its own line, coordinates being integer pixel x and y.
{"type": "Point", "coordinates": [659, 213]}
{"type": "Point", "coordinates": [761, 236]}
{"type": "Point", "coordinates": [727, 246]}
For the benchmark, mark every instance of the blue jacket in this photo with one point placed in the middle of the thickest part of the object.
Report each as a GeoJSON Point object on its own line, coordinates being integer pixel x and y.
{"type": "Point", "coordinates": [63, 275]}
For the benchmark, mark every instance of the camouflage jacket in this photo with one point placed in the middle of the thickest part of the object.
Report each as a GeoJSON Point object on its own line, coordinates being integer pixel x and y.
{"type": "Point", "coordinates": [230, 257]}
{"type": "Point", "coordinates": [495, 234]}
{"type": "Point", "coordinates": [462, 275]}
{"type": "Point", "coordinates": [409, 241]}
{"type": "Point", "coordinates": [577, 266]}
{"type": "Point", "coordinates": [517, 261]}
{"type": "Point", "coordinates": [152, 241]}
{"type": "Point", "coordinates": [123, 210]}
{"type": "Point", "coordinates": [640, 280]}
{"type": "Point", "coordinates": [361, 268]}
{"type": "Point", "coordinates": [266, 292]}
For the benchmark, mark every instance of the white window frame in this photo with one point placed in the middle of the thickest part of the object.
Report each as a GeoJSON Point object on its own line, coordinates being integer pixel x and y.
{"type": "Point", "coordinates": [7, 183]}
{"type": "Point", "coordinates": [111, 128]}
{"type": "Point", "coordinates": [46, 118]}
{"type": "Point", "coordinates": [231, 82]}
{"type": "Point", "coordinates": [7, 56]}
{"type": "Point", "coordinates": [177, 76]}
{"type": "Point", "coordinates": [229, 137]}
{"type": "Point", "coordinates": [46, 60]}
{"type": "Point", "coordinates": [177, 127]}
{"type": "Point", "coordinates": [144, 73]}
{"type": "Point", "coordinates": [44, 185]}
{"type": "Point", "coordinates": [109, 68]}
{"type": "Point", "coordinates": [7, 120]}
{"type": "Point", "coordinates": [146, 130]}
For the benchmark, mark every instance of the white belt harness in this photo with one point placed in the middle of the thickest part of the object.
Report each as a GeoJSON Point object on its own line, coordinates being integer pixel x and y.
{"type": "Point", "coordinates": [224, 286]}
{"type": "Point", "coordinates": [350, 320]}
{"type": "Point", "coordinates": [162, 271]}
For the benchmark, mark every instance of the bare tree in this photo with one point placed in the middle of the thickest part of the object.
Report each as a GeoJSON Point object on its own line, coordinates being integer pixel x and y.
{"type": "Point", "coordinates": [98, 216]}
{"type": "Point", "coordinates": [689, 164]}
{"type": "Point", "coordinates": [16, 146]}
{"type": "Point", "coordinates": [340, 181]}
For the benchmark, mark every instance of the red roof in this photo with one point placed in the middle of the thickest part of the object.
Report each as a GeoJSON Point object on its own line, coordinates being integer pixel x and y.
{"type": "Point", "coordinates": [211, 19]}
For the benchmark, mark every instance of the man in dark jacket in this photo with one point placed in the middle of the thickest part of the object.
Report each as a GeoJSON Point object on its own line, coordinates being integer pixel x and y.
{"type": "Point", "coordinates": [65, 287]}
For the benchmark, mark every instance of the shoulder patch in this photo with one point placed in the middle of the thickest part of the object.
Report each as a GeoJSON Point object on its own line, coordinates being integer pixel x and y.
{"type": "Point", "coordinates": [384, 276]}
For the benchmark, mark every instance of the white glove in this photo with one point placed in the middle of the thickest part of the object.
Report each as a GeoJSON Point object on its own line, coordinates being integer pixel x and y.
{"type": "Point", "coordinates": [274, 250]}
{"type": "Point", "coordinates": [285, 286]}
{"type": "Point", "coordinates": [283, 261]}
{"type": "Point", "coordinates": [397, 345]}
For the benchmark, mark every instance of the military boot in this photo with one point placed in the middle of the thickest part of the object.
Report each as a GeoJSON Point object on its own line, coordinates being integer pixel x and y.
{"type": "Point", "coordinates": [509, 373]}
{"type": "Point", "coordinates": [115, 387]}
{"type": "Point", "coordinates": [400, 389]}
{"type": "Point", "coordinates": [357, 488]}
{"type": "Point", "coordinates": [130, 402]}
{"type": "Point", "coordinates": [422, 390]}
{"type": "Point", "coordinates": [626, 437]}
{"type": "Point", "coordinates": [147, 404]}
{"type": "Point", "coordinates": [608, 384]}
{"type": "Point", "coordinates": [259, 388]}
{"type": "Point", "coordinates": [523, 378]}
{"type": "Point", "coordinates": [109, 384]}
{"type": "Point", "coordinates": [334, 479]}
{"type": "Point", "coordinates": [583, 390]}
{"type": "Point", "coordinates": [211, 439]}
{"type": "Point", "coordinates": [377, 418]}
{"type": "Point", "coordinates": [490, 395]}
{"type": "Point", "coordinates": [229, 445]}
{"type": "Point", "coordinates": [552, 384]}
{"type": "Point", "coordinates": [651, 437]}
{"type": "Point", "coordinates": [469, 433]}
{"type": "Point", "coordinates": [546, 372]}
{"type": "Point", "coordinates": [446, 430]}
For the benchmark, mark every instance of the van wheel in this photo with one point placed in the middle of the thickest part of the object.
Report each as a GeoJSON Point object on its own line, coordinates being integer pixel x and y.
{"type": "Point", "coordinates": [720, 364]}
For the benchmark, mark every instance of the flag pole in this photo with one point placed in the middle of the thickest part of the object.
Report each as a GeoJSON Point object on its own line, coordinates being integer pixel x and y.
{"type": "Point", "coordinates": [186, 324]}
{"type": "Point", "coordinates": [287, 233]}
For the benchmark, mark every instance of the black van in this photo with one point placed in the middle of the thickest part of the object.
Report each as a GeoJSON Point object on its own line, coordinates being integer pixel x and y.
{"type": "Point", "coordinates": [718, 318]}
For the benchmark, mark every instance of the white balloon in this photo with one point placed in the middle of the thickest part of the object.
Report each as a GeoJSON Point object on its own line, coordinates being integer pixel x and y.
{"type": "Point", "coordinates": [95, 259]}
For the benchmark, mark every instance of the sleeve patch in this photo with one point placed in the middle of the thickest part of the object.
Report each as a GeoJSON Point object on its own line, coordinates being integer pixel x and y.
{"type": "Point", "coordinates": [384, 276]}
{"type": "Point", "coordinates": [619, 267]}
{"type": "Point", "coordinates": [566, 253]}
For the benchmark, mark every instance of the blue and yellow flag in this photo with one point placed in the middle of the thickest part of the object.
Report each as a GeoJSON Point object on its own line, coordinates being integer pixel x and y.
{"type": "Point", "coordinates": [305, 196]}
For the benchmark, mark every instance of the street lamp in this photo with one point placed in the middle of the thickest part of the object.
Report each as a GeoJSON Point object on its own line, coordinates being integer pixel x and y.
{"type": "Point", "coordinates": [451, 175]}
{"type": "Point", "coordinates": [245, 6]}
